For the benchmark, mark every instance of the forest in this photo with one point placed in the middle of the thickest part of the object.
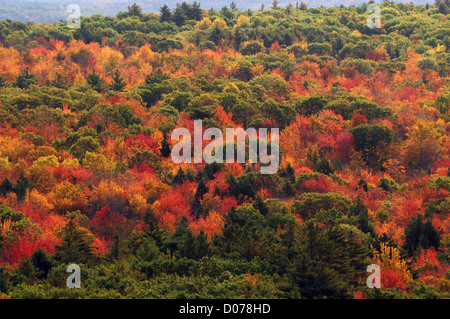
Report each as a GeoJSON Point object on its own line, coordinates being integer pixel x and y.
{"type": "Point", "coordinates": [87, 178]}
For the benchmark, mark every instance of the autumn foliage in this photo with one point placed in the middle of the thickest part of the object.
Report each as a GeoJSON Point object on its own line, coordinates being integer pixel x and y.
{"type": "Point", "coordinates": [85, 150]}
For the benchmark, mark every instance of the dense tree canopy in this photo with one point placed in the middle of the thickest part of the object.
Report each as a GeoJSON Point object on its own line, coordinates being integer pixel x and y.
{"type": "Point", "coordinates": [86, 176]}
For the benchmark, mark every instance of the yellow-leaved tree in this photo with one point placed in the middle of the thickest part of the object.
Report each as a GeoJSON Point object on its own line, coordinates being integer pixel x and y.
{"type": "Point", "coordinates": [389, 259]}
{"type": "Point", "coordinates": [243, 20]}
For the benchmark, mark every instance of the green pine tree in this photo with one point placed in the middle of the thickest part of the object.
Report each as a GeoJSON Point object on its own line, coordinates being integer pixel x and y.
{"type": "Point", "coordinates": [363, 221]}
{"type": "Point", "coordinates": [148, 250]}
{"type": "Point", "coordinates": [165, 15]}
{"type": "Point", "coordinates": [420, 234]}
{"type": "Point", "coordinates": [165, 147]}
{"type": "Point", "coordinates": [95, 81]}
{"type": "Point", "coordinates": [118, 249]}
{"type": "Point", "coordinates": [26, 79]}
{"type": "Point", "coordinates": [180, 177]}
{"type": "Point", "coordinates": [179, 15]}
{"type": "Point", "coordinates": [363, 184]}
{"type": "Point", "coordinates": [323, 166]}
{"type": "Point", "coordinates": [201, 190]}
{"type": "Point", "coordinates": [61, 82]}
{"type": "Point", "coordinates": [315, 280]}
{"type": "Point", "coordinates": [135, 10]}
{"type": "Point", "coordinates": [288, 190]}
{"type": "Point", "coordinates": [21, 186]}
{"type": "Point", "coordinates": [275, 4]}
{"type": "Point", "coordinates": [42, 262]}
{"type": "Point", "coordinates": [289, 238]}
{"type": "Point", "coordinates": [117, 84]}
{"type": "Point", "coordinates": [203, 246]}
{"type": "Point", "coordinates": [153, 230]}
{"type": "Point", "coordinates": [290, 173]}
{"type": "Point", "coordinates": [188, 246]}
{"type": "Point", "coordinates": [76, 246]}
{"type": "Point", "coordinates": [328, 261]}
{"type": "Point", "coordinates": [2, 81]}
{"type": "Point", "coordinates": [6, 187]}
{"type": "Point", "coordinates": [260, 205]}
{"type": "Point", "coordinates": [173, 242]}
{"type": "Point", "coordinates": [4, 285]}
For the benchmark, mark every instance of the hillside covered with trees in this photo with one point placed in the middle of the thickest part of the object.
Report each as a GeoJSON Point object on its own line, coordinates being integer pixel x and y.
{"type": "Point", "coordinates": [52, 11]}
{"type": "Point", "coordinates": [86, 174]}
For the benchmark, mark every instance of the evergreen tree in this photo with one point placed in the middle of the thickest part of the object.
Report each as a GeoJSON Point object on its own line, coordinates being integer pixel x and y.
{"type": "Point", "coordinates": [165, 15]}
{"type": "Point", "coordinates": [238, 38]}
{"type": "Point", "coordinates": [289, 8]}
{"type": "Point", "coordinates": [215, 35]}
{"type": "Point", "coordinates": [275, 4]}
{"type": "Point", "coordinates": [384, 238]}
{"type": "Point", "coordinates": [242, 226]}
{"type": "Point", "coordinates": [370, 140]}
{"type": "Point", "coordinates": [148, 251]}
{"type": "Point", "coordinates": [119, 248]}
{"type": "Point", "coordinates": [165, 147]}
{"type": "Point", "coordinates": [288, 190]}
{"type": "Point", "coordinates": [288, 239]}
{"type": "Point", "coordinates": [21, 186]}
{"type": "Point", "coordinates": [95, 81]}
{"type": "Point", "coordinates": [4, 286]}
{"type": "Point", "coordinates": [188, 246]}
{"type": "Point", "coordinates": [413, 233]}
{"type": "Point", "coordinates": [25, 79]}
{"type": "Point", "coordinates": [76, 246]}
{"type": "Point", "coordinates": [155, 85]}
{"type": "Point", "coordinates": [201, 190]}
{"type": "Point", "coordinates": [233, 186]}
{"type": "Point", "coordinates": [135, 10]}
{"type": "Point", "coordinates": [349, 253]}
{"type": "Point", "coordinates": [315, 280]}
{"type": "Point", "coordinates": [431, 237]}
{"type": "Point", "coordinates": [173, 242]}
{"type": "Point", "coordinates": [156, 77]}
{"type": "Point", "coordinates": [28, 272]}
{"type": "Point", "coordinates": [114, 249]}
{"type": "Point", "coordinates": [6, 187]}
{"type": "Point", "coordinates": [2, 81]}
{"type": "Point", "coordinates": [260, 205]}
{"type": "Point", "coordinates": [60, 82]}
{"type": "Point", "coordinates": [243, 186]}
{"type": "Point", "coordinates": [217, 191]}
{"type": "Point", "coordinates": [328, 262]}
{"type": "Point", "coordinates": [363, 184]}
{"type": "Point", "coordinates": [211, 169]}
{"type": "Point", "coordinates": [117, 84]}
{"type": "Point", "coordinates": [203, 245]}
{"type": "Point", "coordinates": [195, 12]}
{"type": "Point", "coordinates": [179, 15]}
{"type": "Point", "coordinates": [42, 262]}
{"type": "Point", "coordinates": [363, 221]}
{"type": "Point", "coordinates": [180, 177]}
{"type": "Point", "coordinates": [420, 235]}
{"type": "Point", "coordinates": [323, 166]}
{"type": "Point", "coordinates": [190, 175]}
{"type": "Point", "coordinates": [153, 230]}
{"type": "Point", "coordinates": [290, 173]}
{"type": "Point", "coordinates": [443, 6]}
